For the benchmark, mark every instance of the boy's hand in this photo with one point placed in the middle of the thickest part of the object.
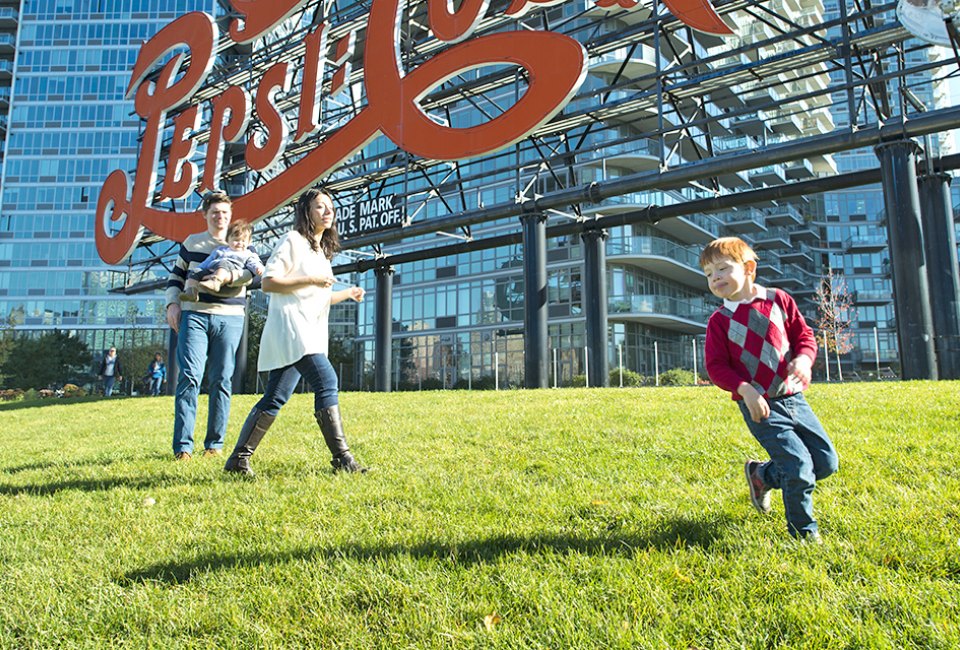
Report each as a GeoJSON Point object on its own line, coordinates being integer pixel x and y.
{"type": "Point", "coordinates": [800, 369]}
{"type": "Point", "coordinates": [756, 404]}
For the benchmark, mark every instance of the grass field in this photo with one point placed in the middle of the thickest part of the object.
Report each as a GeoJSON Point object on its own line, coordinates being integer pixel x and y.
{"type": "Point", "coordinates": [570, 518]}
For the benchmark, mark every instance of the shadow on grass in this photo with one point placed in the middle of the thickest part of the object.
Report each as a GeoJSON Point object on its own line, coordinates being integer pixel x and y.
{"type": "Point", "coordinates": [100, 484]}
{"type": "Point", "coordinates": [671, 534]}
{"type": "Point", "coordinates": [58, 401]}
{"type": "Point", "coordinates": [86, 462]}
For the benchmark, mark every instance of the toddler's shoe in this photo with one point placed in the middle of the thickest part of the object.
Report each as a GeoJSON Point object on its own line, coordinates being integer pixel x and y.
{"type": "Point", "coordinates": [189, 295]}
{"type": "Point", "coordinates": [759, 492]}
{"type": "Point", "coordinates": [210, 286]}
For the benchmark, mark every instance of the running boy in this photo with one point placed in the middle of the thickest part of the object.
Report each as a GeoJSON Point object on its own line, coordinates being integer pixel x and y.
{"type": "Point", "coordinates": [760, 349]}
{"type": "Point", "coordinates": [236, 255]}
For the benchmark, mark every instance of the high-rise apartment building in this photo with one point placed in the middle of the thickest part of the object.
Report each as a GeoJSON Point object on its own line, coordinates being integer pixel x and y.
{"type": "Point", "coordinates": [657, 97]}
{"type": "Point", "coordinates": [64, 68]}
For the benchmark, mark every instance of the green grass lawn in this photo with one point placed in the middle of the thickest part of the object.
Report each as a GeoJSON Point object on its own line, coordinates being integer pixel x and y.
{"type": "Point", "coordinates": [570, 518]}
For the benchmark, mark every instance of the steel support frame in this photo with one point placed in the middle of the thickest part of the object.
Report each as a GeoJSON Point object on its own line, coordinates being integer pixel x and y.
{"type": "Point", "coordinates": [911, 293]}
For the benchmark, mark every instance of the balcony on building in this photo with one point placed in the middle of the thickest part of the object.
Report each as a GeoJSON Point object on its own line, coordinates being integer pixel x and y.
{"type": "Point", "coordinates": [751, 123]}
{"type": "Point", "coordinates": [792, 276]}
{"type": "Point", "coordinates": [864, 243]}
{"type": "Point", "coordinates": [632, 16]}
{"type": "Point", "coordinates": [688, 316]}
{"type": "Point", "coordinates": [8, 43]}
{"type": "Point", "coordinates": [872, 296]}
{"type": "Point", "coordinates": [768, 175]}
{"type": "Point", "coordinates": [4, 98]}
{"type": "Point", "coordinates": [805, 233]}
{"type": "Point", "coordinates": [783, 215]}
{"type": "Point", "coordinates": [642, 62]}
{"type": "Point", "coordinates": [786, 123]}
{"type": "Point", "coordinates": [692, 228]}
{"type": "Point", "coordinates": [743, 221]}
{"type": "Point", "coordinates": [799, 169]}
{"type": "Point", "coordinates": [659, 256]}
{"type": "Point", "coordinates": [759, 94]}
{"type": "Point", "coordinates": [6, 69]}
{"type": "Point", "coordinates": [9, 18]}
{"type": "Point", "coordinates": [797, 254]}
{"type": "Point", "coordinates": [634, 155]}
{"type": "Point", "coordinates": [773, 239]}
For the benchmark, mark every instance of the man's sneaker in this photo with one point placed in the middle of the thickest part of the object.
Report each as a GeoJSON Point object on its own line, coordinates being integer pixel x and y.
{"type": "Point", "coordinates": [759, 492]}
{"type": "Point", "coordinates": [182, 455]}
{"type": "Point", "coordinates": [212, 452]}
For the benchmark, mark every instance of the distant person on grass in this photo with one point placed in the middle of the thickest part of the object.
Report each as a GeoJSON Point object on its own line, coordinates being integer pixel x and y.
{"type": "Point", "coordinates": [294, 342]}
{"type": "Point", "coordinates": [111, 371]}
{"type": "Point", "coordinates": [760, 349]}
{"type": "Point", "coordinates": [207, 330]}
{"type": "Point", "coordinates": [156, 374]}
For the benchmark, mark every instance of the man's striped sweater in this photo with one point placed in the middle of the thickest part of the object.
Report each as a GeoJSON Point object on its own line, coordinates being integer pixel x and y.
{"type": "Point", "coordinates": [231, 299]}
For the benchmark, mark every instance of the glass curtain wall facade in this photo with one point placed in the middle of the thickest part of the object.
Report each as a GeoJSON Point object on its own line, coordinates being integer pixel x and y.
{"type": "Point", "coordinates": [854, 223]}
{"type": "Point", "coordinates": [68, 127]}
{"type": "Point", "coordinates": [459, 320]}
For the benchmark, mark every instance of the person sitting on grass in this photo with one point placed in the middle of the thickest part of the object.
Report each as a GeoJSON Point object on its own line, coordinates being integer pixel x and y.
{"type": "Point", "coordinates": [218, 268]}
{"type": "Point", "coordinates": [761, 350]}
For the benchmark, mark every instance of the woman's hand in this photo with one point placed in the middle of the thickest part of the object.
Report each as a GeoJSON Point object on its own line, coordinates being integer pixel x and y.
{"type": "Point", "coordinates": [356, 293]}
{"type": "Point", "coordinates": [322, 281]}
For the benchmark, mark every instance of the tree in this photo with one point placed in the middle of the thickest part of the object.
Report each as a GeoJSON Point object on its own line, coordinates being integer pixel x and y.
{"type": "Point", "coordinates": [835, 316]}
{"type": "Point", "coordinates": [53, 358]}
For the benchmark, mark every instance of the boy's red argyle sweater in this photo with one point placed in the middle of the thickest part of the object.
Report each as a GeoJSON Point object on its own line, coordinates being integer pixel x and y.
{"type": "Point", "coordinates": [755, 341]}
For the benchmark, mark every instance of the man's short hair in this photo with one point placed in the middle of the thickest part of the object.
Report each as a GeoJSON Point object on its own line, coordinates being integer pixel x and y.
{"type": "Point", "coordinates": [731, 247]}
{"type": "Point", "coordinates": [214, 197]}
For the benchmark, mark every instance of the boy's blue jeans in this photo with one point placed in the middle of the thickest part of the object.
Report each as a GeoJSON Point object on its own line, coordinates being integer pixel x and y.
{"type": "Point", "coordinates": [281, 382]}
{"type": "Point", "coordinates": [801, 454]}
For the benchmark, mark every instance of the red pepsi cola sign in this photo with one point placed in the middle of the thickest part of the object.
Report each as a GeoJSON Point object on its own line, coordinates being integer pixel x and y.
{"type": "Point", "coordinates": [555, 66]}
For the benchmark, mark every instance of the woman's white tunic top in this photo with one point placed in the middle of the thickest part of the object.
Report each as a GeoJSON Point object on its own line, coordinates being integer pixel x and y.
{"type": "Point", "coordinates": [297, 322]}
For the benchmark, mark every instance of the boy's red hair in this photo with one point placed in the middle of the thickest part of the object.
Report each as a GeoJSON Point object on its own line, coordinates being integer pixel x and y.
{"type": "Point", "coordinates": [733, 248]}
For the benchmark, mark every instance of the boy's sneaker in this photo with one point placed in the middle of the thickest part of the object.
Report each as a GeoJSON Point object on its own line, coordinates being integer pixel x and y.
{"type": "Point", "coordinates": [759, 492]}
{"type": "Point", "coordinates": [812, 538]}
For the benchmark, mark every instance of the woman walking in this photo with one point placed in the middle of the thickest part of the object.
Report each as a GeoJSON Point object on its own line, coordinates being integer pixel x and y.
{"type": "Point", "coordinates": [299, 278]}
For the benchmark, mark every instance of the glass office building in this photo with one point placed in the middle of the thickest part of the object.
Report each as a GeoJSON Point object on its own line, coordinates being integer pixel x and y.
{"type": "Point", "coordinates": [458, 319]}
{"type": "Point", "coordinates": [64, 67]}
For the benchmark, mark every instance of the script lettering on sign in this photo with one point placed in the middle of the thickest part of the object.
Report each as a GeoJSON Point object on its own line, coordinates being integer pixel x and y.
{"type": "Point", "coordinates": [555, 66]}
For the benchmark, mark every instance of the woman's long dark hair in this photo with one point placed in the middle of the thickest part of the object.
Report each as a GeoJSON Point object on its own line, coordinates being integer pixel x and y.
{"type": "Point", "coordinates": [303, 223]}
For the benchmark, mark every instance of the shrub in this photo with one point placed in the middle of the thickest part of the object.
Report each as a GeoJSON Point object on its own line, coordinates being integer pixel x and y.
{"type": "Point", "coordinates": [44, 393]}
{"type": "Point", "coordinates": [11, 394]}
{"type": "Point", "coordinates": [480, 383]}
{"type": "Point", "coordinates": [630, 378]}
{"type": "Point", "coordinates": [72, 390]}
{"type": "Point", "coordinates": [431, 383]}
{"type": "Point", "coordinates": [677, 377]}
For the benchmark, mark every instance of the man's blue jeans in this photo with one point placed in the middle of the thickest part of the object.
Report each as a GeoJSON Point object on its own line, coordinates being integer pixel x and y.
{"type": "Point", "coordinates": [204, 337]}
{"type": "Point", "coordinates": [801, 454]}
{"type": "Point", "coordinates": [155, 383]}
{"type": "Point", "coordinates": [108, 381]}
{"type": "Point", "coordinates": [281, 382]}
